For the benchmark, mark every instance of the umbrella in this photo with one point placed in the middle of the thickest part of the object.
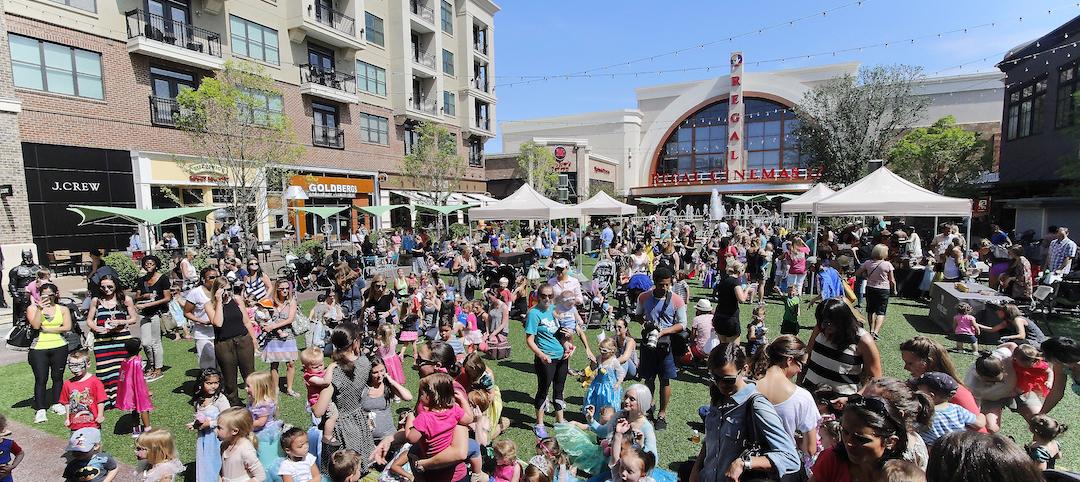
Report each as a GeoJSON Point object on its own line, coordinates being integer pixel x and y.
{"type": "Point", "coordinates": [149, 217]}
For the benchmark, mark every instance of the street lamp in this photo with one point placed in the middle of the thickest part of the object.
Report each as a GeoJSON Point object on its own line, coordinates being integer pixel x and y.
{"type": "Point", "coordinates": [296, 193]}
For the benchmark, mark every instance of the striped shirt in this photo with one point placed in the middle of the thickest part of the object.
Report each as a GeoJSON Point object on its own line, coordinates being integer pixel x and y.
{"type": "Point", "coordinates": [836, 367]}
{"type": "Point", "coordinates": [256, 288]}
{"type": "Point", "coordinates": [947, 419]}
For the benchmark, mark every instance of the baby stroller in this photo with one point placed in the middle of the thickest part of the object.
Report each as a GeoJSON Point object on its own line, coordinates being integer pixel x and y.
{"type": "Point", "coordinates": [596, 294]}
{"type": "Point", "coordinates": [628, 299]}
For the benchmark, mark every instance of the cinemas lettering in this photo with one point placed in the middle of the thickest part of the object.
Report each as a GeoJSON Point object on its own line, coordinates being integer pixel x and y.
{"type": "Point", "coordinates": [738, 175]}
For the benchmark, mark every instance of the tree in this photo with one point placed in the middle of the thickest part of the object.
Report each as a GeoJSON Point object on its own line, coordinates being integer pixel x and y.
{"type": "Point", "coordinates": [848, 120]}
{"type": "Point", "coordinates": [233, 124]}
{"type": "Point", "coordinates": [539, 165]}
{"type": "Point", "coordinates": [434, 161]}
{"type": "Point", "coordinates": [597, 187]}
{"type": "Point", "coordinates": [941, 157]}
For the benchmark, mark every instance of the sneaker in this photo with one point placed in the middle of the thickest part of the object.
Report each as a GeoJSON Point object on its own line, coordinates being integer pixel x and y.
{"type": "Point", "coordinates": [136, 431]}
{"type": "Point", "coordinates": [540, 431]}
{"type": "Point", "coordinates": [154, 376]}
{"type": "Point", "coordinates": [875, 336]}
{"type": "Point", "coordinates": [40, 416]}
{"type": "Point", "coordinates": [58, 409]}
{"type": "Point", "coordinates": [660, 423]}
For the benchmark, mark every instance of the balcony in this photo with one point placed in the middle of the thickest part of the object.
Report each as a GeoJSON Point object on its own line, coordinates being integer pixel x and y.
{"type": "Point", "coordinates": [423, 64]}
{"type": "Point", "coordinates": [423, 106]}
{"type": "Point", "coordinates": [155, 36]}
{"type": "Point", "coordinates": [164, 112]}
{"type": "Point", "coordinates": [424, 13]}
{"type": "Point", "coordinates": [327, 136]}
{"type": "Point", "coordinates": [328, 84]}
{"type": "Point", "coordinates": [483, 123]}
{"type": "Point", "coordinates": [306, 18]}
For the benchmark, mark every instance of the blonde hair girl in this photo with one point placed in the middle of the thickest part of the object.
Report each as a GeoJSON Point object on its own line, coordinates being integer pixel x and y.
{"type": "Point", "coordinates": [156, 452]}
{"type": "Point", "coordinates": [239, 461]}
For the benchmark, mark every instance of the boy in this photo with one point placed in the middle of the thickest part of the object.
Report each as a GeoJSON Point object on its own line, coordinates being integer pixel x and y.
{"type": "Point", "coordinates": [83, 394]}
{"type": "Point", "coordinates": [86, 462]}
{"type": "Point", "coordinates": [10, 453]}
{"type": "Point", "coordinates": [948, 417]}
{"type": "Point", "coordinates": [790, 325]}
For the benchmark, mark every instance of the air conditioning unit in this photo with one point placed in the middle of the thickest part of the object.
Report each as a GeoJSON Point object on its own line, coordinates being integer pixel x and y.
{"type": "Point", "coordinates": [564, 194]}
{"type": "Point", "coordinates": [564, 181]}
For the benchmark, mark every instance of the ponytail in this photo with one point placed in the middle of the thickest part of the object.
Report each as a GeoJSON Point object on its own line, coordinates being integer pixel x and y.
{"type": "Point", "coordinates": [925, 414]}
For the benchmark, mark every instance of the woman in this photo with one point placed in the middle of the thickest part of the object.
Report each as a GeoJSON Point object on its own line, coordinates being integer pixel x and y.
{"type": "Point", "coordinates": [234, 337]}
{"type": "Point", "coordinates": [519, 298]}
{"type": "Point", "coordinates": [874, 432]}
{"type": "Point", "coordinates": [736, 407]}
{"type": "Point", "coordinates": [880, 284]}
{"type": "Point", "coordinates": [955, 267]}
{"type": "Point", "coordinates": [110, 317]}
{"type": "Point", "coordinates": [842, 353]}
{"type": "Point", "coordinates": [1018, 328]}
{"type": "Point", "coordinates": [915, 409]}
{"type": "Point", "coordinates": [1063, 353]}
{"type": "Point", "coordinates": [1016, 280]}
{"type": "Point", "coordinates": [796, 263]}
{"type": "Point", "coordinates": [188, 273]}
{"type": "Point", "coordinates": [257, 283]}
{"type": "Point", "coordinates": [349, 287]}
{"type": "Point", "coordinates": [429, 313]}
{"type": "Point", "coordinates": [280, 344]}
{"type": "Point", "coordinates": [380, 305]}
{"type": "Point", "coordinates": [669, 257]}
{"type": "Point", "coordinates": [153, 301]}
{"type": "Point", "coordinates": [974, 457]}
{"type": "Point", "coordinates": [639, 261]}
{"type": "Point", "coordinates": [550, 361]}
{"type": "Point", "coordinates": [379, 399]}
{"type": "Point", "coordinates": [636, 402]}
{"type": "Point", "coordinates": [729, 294]}
{"type": "Point", "coordinates": [779, 362]}
{"type": "Point", "coordinates": [498, 317]}
{"type": "Point", "coordinates": [401, 285]}
{"type": "Point", "coordinates": [465, 270]}
{"type": "Point", "coordinates": [48, 352]}
{"type": "Point", "coordinates": [999, 255]}
{"type": "Point", "coordinates": [195, 310]}
{"type": "Point", "coordinates": [922, 354]}
{"type": "Point", "coordinates": [350, 373]}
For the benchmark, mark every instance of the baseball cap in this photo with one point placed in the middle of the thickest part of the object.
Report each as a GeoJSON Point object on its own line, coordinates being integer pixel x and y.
{"type": "Point", "coordinates": [704, 305]}
{"type": "Point", "coordinates": [937, 382]}
{"type": "Point", "coordinates": [84, 440]}
{"type": "Point", "coordinates": [562, 263]}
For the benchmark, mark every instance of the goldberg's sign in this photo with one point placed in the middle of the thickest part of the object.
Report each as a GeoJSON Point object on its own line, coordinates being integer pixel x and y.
{"type": "Point", "coordinates": [736, 110]}
{"type": "Point", "coordinates": [737, 175]}
{"type": "Point", "coordinates": [332, 190]}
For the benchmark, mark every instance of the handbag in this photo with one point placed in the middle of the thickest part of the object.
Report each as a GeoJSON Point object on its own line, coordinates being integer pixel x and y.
{"type": "Point", "coordinates": [21, 336]}
{"type": "Point", "coordinates": [754, 446]}
{"type": "Point", "coordinates": [301, 324]}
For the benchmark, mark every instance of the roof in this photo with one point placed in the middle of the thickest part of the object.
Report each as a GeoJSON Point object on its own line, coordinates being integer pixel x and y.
{"type": "Point", "coordinates": [1032, 46]}
{"type": "Point", "coordinates": [883, 193]}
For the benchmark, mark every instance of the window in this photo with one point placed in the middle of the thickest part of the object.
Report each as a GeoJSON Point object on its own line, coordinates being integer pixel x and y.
{"type": "Point", "coordinates": [374, 129]}
{"type": "Point", "coordinates": [1068, 80]}
{"type": "Point", "coordinates": [373, 29]}
{"type": "Point", "coordinates": [476, 152]}
{"type": "Point", "coordinates": [482, 119]}
{"type": "Point", "coordinates": [449, 100]}
{"type": "Point", "coordinates": [1025, 110]}
{"type": "Point", "coordinates": [254, 41]}
{"type": "Point", "coordinates": [447, 17]}
{"type": "Point", "coordinates": [411, 138]}
{"type": "Point", "coordinates": [480, 41]}
{"type": "Point", "coordinates": [266, 108]}
{"type": "Point", "coordinates": [370, 79]}
{"type": "Point", "coordinates": [88, 5]}
{"type": "Point", "coordinates": [447, 62]}
{"type": "Point", "coordinates": [50, 67]}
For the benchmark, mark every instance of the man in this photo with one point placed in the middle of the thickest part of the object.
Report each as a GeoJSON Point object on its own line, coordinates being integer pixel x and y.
{"type": "Point", "coordinates": [941, 243]}
{"type": "Point", "coordinates": [606, 236]}
{"type": "Point", "coordinates": [1062, 251]}
{"type": "Point", "coordinates": [666, 311]}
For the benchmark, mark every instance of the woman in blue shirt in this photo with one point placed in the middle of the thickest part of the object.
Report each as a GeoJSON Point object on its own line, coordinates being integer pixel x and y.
{"type": "Point", "coordinates": [550, 361]}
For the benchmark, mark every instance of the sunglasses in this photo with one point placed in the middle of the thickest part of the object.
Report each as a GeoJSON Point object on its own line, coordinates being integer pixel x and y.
{"type": "Point", "coordinates": [380, 286]}
{"type": "Point", "coordinates": [108, 287]}
{"type": "Point", "coordinates": [211, 278]}
{"type": "Point", "coordinates": [546, 297]}
{"type": "Point", "coordinates": [283, 288]}
{"type": "Point", "coordinates": [727, 381]}
{"type": "Point", "coordinates": [253, 264]}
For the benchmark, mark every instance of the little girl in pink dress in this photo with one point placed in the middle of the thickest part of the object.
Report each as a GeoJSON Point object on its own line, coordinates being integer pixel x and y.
{"type": "Point", "coordinates": [132, 393]}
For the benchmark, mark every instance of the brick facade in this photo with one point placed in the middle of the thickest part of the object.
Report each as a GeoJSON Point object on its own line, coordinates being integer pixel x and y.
{"type": "Point", "coordinates": [15, 232]}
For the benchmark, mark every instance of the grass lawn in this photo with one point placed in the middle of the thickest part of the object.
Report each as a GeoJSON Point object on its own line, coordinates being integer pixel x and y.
{"type": "Point", "coordinates": [517, 381]}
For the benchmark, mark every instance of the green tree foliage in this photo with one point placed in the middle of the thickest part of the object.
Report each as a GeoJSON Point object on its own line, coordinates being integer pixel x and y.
{"type": "Point", "coordinates": [846, 121]}
{"type": "Point", "coordinates": [942, 157]}
{"type": "Point", "coordinates": [434, 161]}
{"type": "Point", "coordinates": [123, 264]}
{"type": "Point", "coordinates": [538, 164]}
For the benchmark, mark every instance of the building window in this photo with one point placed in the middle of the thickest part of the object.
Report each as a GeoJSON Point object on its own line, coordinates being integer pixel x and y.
{"type": "Point", "coordinates": [373, 29]}
{"type": "Point", "coordinates": [50, 67]}
{"type": "Point", "coordinates": [254, 41]}
{"type": "Point", "coordinates": [449, 100]}
{"type": "Point", "coordinates": [447, 17]}
{"type": "Point", "coordinates": [1025, 110]}
{"type": "Point", "coordinates": [480, 38]}
{"type": "Point", "coordinates": [1068, 80]}
{"type": "Point", "coordinates": [374, 129]}
{"type": "Point", "coordinates": [482, 119]}
{"type": "Point", "coordinates": [88, 5]}
{"type": "Point", "coordinates": [476, 152]}
{"type": "Point", "coordinates": [370, 78]}
{"type": "Point", "coordinates": [411, 138]}
{"type": "Point", "coordinates": [265, 108]}
{"type": "Point", "coordinates": [447, 62]}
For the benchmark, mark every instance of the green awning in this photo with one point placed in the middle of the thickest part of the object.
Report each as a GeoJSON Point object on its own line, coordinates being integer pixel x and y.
{"type": "Point", "coordinates": [656, 201]}
{"type": "Point", "coordinates": [748, 198]}
{"type": "Point", "coordinates": [445, 209]}
{"type": "Point", "coordinates": [379, 210]}
{"type": "Point", "coordinates": [151, 216]}
{"type": "Point", "coordinates": [321, 211]}
{"type": "Point", "coordinates": [784, 197]}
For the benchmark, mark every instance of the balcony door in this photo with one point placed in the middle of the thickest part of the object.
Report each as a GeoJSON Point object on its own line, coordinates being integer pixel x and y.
{"type": "Point", "coordinates": [168, 21]}
{"type": "Point", "coordinates": [320, 59]}
{"type": "Point", "coordinates": [324, 12]}
{"type": "Point", "coordinates": [166, 85]}
{"type": "Point", "coordinates": [325, 130]}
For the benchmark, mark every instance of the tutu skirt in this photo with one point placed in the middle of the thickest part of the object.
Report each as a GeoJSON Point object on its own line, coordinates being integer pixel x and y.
{"type": "Point", "coordinates": [394, 369]}
{"type": "Point", "coordinates": [581, 447]}
{"type": "Point", "coordinates": [269, 449]}
{"type": "Point", "coordinates": [602, 392]}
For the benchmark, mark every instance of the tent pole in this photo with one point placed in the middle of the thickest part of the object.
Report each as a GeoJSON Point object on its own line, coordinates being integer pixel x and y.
{"type": "Point", "coordinates": [817, 249]}
{"type": "Point", "coordinates": [967, 241]}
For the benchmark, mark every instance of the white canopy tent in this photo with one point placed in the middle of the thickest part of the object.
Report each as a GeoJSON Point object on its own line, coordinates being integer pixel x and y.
{"type": "Point", "coordinates": [604, 205]}
{"type": "Point", "coordinates": [883, 193]}
{"type": "Point", "coordinates": [525, 204]}
{"type": "Point", "coordinates": [804, 203]}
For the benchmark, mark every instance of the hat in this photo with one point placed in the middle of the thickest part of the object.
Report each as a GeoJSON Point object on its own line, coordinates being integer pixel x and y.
{"type": "Point", "coordinates": [562, 263]}
{"type": "Point", "coordinates": [504, 282]}
{"type": "Point", "coordinates": [704, 305]}
{"type": "Point", "coordinates": [84, 440]}
{"type": "Point", "coordinates": [811, 260]}
{"type": "Point", "coordinates": [266, 303]}
{"type": "Point", "coordinates": [938, 382]}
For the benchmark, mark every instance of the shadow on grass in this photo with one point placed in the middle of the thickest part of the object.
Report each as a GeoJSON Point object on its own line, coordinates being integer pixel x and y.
{"type": "Point", "coordinates": [922, 324]}
{"type": "Point", "coordinates": [29, 402]}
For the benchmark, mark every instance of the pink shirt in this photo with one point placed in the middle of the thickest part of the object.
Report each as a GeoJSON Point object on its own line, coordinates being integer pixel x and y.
{"type": "Point", "coordinates": [877, 273]}
{"type": "Point", "coordinates": [438, 431]}
{"type": "Point", "coordinates": [965, 324]}
{"type": "Point", "coordinates": [797, 260]}
{"type": "Point", "coordinates": [312, 389]}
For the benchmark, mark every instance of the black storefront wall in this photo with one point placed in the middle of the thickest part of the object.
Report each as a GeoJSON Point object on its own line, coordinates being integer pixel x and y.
{"type": "Point", "coordinates": [59, 176]}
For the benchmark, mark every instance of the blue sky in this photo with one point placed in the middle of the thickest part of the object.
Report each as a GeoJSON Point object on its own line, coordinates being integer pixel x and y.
{"type": "Point", "coordinates": [553, 37]}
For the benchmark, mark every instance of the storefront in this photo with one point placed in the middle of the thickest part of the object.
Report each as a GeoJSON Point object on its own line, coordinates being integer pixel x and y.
{"type": "Point", "coordinates": [329, 189]}
{"type": "Point", "coordinates": [397, 189]}
{"type": "Point", "coordinates": [582, 172]}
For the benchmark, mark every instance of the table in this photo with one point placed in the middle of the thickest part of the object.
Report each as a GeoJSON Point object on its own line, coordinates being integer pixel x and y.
{"type": "Point", "coordinates": [944, 296]}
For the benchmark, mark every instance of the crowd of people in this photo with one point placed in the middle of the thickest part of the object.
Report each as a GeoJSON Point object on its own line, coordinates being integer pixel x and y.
{"type": "Point", "coordinates": [809, 404]}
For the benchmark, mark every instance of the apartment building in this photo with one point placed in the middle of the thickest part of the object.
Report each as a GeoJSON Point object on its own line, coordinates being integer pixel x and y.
{"type": "Point", "coordinates": [93, 87]}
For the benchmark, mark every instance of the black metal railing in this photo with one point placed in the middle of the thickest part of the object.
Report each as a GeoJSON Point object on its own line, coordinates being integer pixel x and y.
{"type": "Point", "coordinates": [164, 111]}
{"type": "Point", "coordinates": [329, 78]}
{"type": "Point", "coordinates": [141, 23]}
{"type": "Point", "coordinates": [423, 11]}
{"type": "Point", "coordinates": [335, 20]}
{"type": "Point", "coordinates": [327, 136]}
{"type": "Point", "coordinates": [424, 105]}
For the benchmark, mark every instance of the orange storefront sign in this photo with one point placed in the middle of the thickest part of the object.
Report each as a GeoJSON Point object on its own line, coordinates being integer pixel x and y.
{"type": "Point", "coordinates": [354, 192]}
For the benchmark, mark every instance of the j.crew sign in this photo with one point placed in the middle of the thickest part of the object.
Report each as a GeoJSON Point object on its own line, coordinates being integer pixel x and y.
{"type": "Point", "coordinates": [73, 186]}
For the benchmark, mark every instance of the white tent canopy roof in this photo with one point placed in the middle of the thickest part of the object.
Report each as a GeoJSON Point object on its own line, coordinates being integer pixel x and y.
{"type": "Point", "coordinates": [604, 205]}
{"type": "Point", "coordinates": [525, 204]}
{"type": "Point", "coordinates": [883, 193]}
{"type": "Point", "coordinates": [805, 202]}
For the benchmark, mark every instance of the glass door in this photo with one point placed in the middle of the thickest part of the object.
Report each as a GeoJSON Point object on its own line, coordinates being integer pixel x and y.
{"type": "Point", "coordinates": [168, 21]}
{"type": "Point", "coordinates": [324, 12]}
{"type": "Point", "coordinates": [326, 122]}
{"type": "Point", "coordinates": [166, 85]}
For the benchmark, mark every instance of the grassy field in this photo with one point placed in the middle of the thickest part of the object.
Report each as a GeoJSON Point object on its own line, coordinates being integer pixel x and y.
{"type": "Point", "coordinates": [517, 381]}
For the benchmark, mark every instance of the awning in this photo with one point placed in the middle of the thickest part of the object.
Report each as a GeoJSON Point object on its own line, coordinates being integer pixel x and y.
{"type": "Point", "coordinates": [380, 210]}
{"type": "Point", "coordinates": [91, 214]}
{"type": "Point", "coordinates": [321, 211]}
{"type": "Point", "coordinates": [748, 198]}
{"type": "Point", "coordinates": [656, 201]}
{"type": "Point", "coordinates": [783, 197]}
{"type": "Point", "coordinates": [445, 209]}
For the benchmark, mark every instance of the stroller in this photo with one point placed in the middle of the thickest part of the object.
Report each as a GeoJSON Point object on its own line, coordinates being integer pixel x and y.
{"type": "Point", "coordinates": [628, 295]}
{"type": "Point", "coordinates": [597, 292]}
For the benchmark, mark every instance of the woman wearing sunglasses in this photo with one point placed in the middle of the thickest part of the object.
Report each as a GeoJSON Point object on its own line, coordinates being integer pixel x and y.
{"type": "Point", "coordinates": [872, 432]}
{"type": "Point", "coordinates": [550, 359]}
{"type": "Point", "coordinates": [281, 345]}
{"type": "Point", "coordinates": [379, 302]}
{"type": "Point", "coordinates": [110, 317]}
{"type": "Point", "coordinates": [736, 409]}
{"type": "Point", "coordinates": [199, 308]}
{"type": "Point", "coordinates": [257, 283]}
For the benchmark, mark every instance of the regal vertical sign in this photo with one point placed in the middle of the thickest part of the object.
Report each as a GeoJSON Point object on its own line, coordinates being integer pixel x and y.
{"type": "Point", "coordinates": [736, 109]}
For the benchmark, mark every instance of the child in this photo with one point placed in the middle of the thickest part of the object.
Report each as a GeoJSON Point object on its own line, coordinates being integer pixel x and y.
{"type": "Point", "coordinates": [634, 465]}
{"type": "Point", "coordinates": [317, 315]}
{"type": "Point", "coordinates": [899, 470]}
{"type": "Point", "coordinates": [86, 461]}
{"type": "Point", "coordinates": [606, 387]}
{"type": "Point", "coordinates": [11, 454]}
{"type": "Point", "coordinates": [965, 329]}
{"type": "Point", "coordinates": [992, 382]}
{"type": "Point", "coordinates": [83, 394]}
{"type": "Point", "coordinates": [176, 310]}
{"type": "Point", "coordinates": [156, 452]}
{"type": "Point", "coordinates": [299, 465]}
{"type": "Point", "coordinates": [568, 318]}
{"type": "Point", "coordinates": [387, 350]}
{"type": "Point", "coordinates": [398, 468]}
{"type": "Point", "coordinates": [449, 332]}
{"type": "Point", "coordinates": [561, 468]}
{"type": "Point", "coordinates": [344, 466]}
{"type": "Point", "coordinates": [262, 403]}
{"type": "Point", "coordinates": [755, 330]}
{"type": "Point", "coordinates": [132, 393]}
{"type": "Point", "coordinates": [209, 403]}
{"type": "Point", "coordinates": [1032, 372]}
{"type": "Point", "coordinates": [538, 470]}
{"type": "Point", "coordinates": [790, 325]}
{"type": "Point", "coordinates": [432, 430]}
{"type": "Point", "coordinates": [473, 336]}
{"type": "Point", "coordinates": [44, 275]}
{"type": "Point", "coordinates": [948, 417]}
{"type": "Point", "coordinates": [481, 430]}
{"type": "Point", "coordinates": [239, 461]}
{"type": "Point", "coordinates": [410, 325]}
{"type": "Point", "coordinates": [1044, 448]}
{"type": "Point", "coordinates": [506, 466]}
